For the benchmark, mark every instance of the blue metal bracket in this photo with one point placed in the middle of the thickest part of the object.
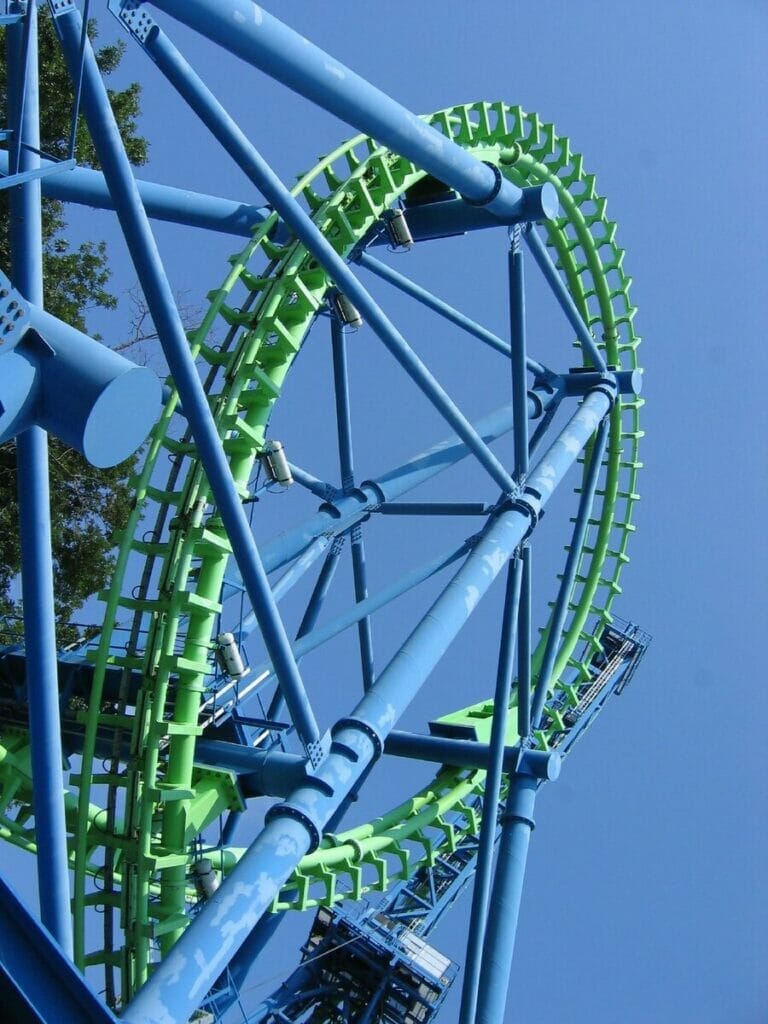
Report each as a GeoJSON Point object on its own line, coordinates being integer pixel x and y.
{"type": "Point", "coordinates": [134, 15]}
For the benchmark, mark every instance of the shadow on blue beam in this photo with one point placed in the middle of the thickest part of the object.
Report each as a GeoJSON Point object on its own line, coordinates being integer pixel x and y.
{"type": "Point", "coordinates": [38, 984]}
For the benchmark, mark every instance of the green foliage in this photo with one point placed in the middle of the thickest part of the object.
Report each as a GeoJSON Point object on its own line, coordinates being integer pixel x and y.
{"type": "Point", "coordinates": [87, 505]}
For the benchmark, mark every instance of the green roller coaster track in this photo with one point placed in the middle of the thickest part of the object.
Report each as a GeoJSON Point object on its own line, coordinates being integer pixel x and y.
{"type": "Point", "coordinates": [134, 817]}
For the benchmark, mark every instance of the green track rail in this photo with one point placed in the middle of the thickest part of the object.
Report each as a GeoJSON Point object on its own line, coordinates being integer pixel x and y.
{"type": "Point", "coordinates": [133, 822]}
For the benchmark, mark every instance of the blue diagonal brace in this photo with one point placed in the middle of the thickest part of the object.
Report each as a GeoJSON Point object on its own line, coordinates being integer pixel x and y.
{"type": "Point", "coordinates": [209, 110]}
{"type": "Point", "coordinates": [182, 980]}
{"type": "Point", "coordinates": [151, 274]}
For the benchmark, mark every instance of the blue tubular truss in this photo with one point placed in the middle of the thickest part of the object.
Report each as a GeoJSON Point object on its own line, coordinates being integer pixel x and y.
{"type": "Point", "coordinates": [369, 964]}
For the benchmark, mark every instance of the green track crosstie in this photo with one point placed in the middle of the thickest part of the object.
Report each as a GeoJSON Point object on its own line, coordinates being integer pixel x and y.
{"type": "Point", "coordinates": [135, 817]}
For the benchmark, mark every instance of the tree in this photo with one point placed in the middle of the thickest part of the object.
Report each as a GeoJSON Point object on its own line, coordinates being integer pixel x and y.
{"type": "Point", "coordinates": [87, 505]}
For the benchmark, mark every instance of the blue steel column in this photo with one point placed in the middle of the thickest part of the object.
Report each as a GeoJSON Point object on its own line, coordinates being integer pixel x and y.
{"type": "Point", "coordinates": [149, 268]}
{"type": "Point", "coordinates": [212, 114]}
{"type": "Point", "coordinates": [505, 899]}
{"type": "Point", "coordinates": [357, 547]}
{"type": "Point", "coordinates": [35, 525]}
{"type": "Point", "coordinates": [484, 869]}
{"type": "Point", "coordinates": [181, 981]}
{"type": "Point", "coordinates": [518, 342]}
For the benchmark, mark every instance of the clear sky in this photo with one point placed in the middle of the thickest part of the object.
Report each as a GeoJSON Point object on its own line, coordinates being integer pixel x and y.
{"type": "Point", "coordinates": [646, 896]}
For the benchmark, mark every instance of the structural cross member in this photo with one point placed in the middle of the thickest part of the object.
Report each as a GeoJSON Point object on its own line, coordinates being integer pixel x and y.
{"type": "Point", "coordinates": [55, 377]}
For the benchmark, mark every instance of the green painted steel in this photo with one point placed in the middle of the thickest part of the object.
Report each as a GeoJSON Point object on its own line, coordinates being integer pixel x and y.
{"type": "Point", "coordinates": [136, 843]}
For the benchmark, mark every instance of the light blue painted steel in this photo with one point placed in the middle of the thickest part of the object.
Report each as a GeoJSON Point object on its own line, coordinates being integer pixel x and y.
{"type": "Point", "coordinates": [483, 874]}
{"type": "Point", "coordinates": [524, 646]}
{"type": "Point", "coordinates": [42, 172]}
{"type": "Point", "coordinates": [91, 397]}
{"type": "Point", "coordinates": [563, 296]}
{"type": "Point", "coordinates": [87, 187]}
{"type": "Point", "coordinates": [543, 764]}
{"type": "Point", "coordinates": [293, 829]}
{"type": "Point", "coordinates": [408, 287]}
{"type": "Point", "coordinates": [580, 381]}
{"type": "Point", "coordinates": [560, 610]}
{"type": "Point", "coordinates": [340, 515]}
{"type": "Point", "coordinates": [308, 639]}
{"type": "Point", "coordinates": [33, 968]}
{"type": "Point", "coordinates": [449, 217]}
{"type": "Point", "coordinates": [252, 34]}
{"type": "Point", "coordinates": [272, 772]}
{"type": "Point", "coordinates": [364, 631]}
{"type": "Point", "coordinates": [518, 346]}
{"type": "Point", "coordinates": [149, 268]}
{"type": "Point", "coordinates": [434, 508]}
{"type": "Point", "coordinates": [319, 488]}
{"type": "Point", "coordinates": [320, 590]}
{"type": "Point", "coordinates": [72, 386]}
{"type": "Point", "coordinates": [347, 471]}
{"type": "Point", "coordinates": [505, 899]}
{"type": "Point", "coordinates": [304, 562]}
{"type": "Point", "coordinates": [313, 609]}
{"type": "Point", "coordinates": [343, 413]}
{"type": "Point", "coordinates": [26, 78]}
{"type": "Point", "coordinates": [300, 566]}
{"type": "Point", "coordinates": [25, 226]}
{"type": "Point", "coordinates": [212, 114]}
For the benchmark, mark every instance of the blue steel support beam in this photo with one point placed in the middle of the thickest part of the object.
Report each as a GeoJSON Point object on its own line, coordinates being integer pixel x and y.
{"type": "Point", "coordinates": [252, 34]}
{"type": "Point", "coordinates": [343, 414]}
{"type": "Point", "coordinates": [360, 579]}
{"type": "Point", "coordinates": [560, 611]}
{"type": "Point", "coordinates": [73, 387]}
{"type": "Point", "coordinates": [524, 646]}
{"type": "Point", "coordinates": [347, 470]}
{"type": "Point", "coordinates": [450, 217]}
{"type": "Point", "coordinates": [434, 508]}
{"type": "Point", "coordinates": [319, 488]}
{"type": "Point", "coordinates": [149, 268]}
{"type": "Point", "coordinates": [291, 830]}
{"type": "Point", "coordinates": [262, 772]}
{"type": "Point", "coordinates": [340, 515]}
{"type": "Point", "coordinates": [563, 296]}
{"type": "Point", "coordinates": [314, 606]}
{"type": "Point", "coordinates": [37, 981]}
{"type": "Point", "coordinates": [212, 114]}
{"type": "Point", "coordinates": [34, 514]}
{"type": "Point", "coordinates": [86, 187]}
{"type": "Point", "coordinates": [484, 871]}
{"type": "Point", "coordinates": [518, 344]}
{"type": "Point", "coordinates": [544, 764]}
{"type": "Point", "coordinates": [454, 316]}
{"type": "Point", "coordinates": [517, 825]}
{"type": "Point", "coordinates": [308, 638]}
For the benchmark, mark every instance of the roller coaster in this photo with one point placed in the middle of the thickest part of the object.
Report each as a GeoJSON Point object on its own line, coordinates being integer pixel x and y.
{"type": "Point", "coordinates": [221, 694]}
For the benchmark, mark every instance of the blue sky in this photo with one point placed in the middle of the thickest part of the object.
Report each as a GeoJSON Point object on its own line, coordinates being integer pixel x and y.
{"type": "Point", "coordinates": [645, 896]}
